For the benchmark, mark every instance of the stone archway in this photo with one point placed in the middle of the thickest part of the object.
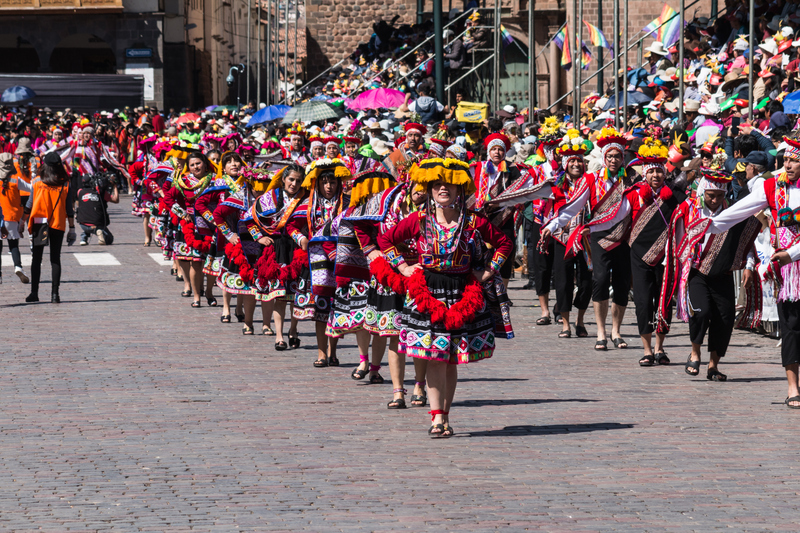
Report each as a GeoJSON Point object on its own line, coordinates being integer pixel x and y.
{"type": "Point", "coordinates": [83, 53]}
{"type": "Point", "coordinates": [17, 55]}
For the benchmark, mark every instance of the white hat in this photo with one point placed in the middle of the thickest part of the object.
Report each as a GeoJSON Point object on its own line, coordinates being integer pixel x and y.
{"type": "Point", "coordinates": [787, 31]}
{"type": "Point", "coordinates": [510, 109]}
{"type": "Point", "coordinates": [708, 108]}
{"type": "Point", "coordinates": [740, 45]}
{"type": "Point", "coordinates": [657, 48]}
{"type": "Point", "coordinates": [601, 103]}
{"type": "Point", "coordinates": [691, 105]}
{"type": "Point", "coordinates": [769, 46]}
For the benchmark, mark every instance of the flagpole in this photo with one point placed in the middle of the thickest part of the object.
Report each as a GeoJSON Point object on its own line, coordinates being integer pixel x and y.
{"type": "Point", "coordinates": [533, 88]}
{"type": "Point", "coordinates": [579, 63]}
{"type": "Point", "coordinates": [625, 71]}
{"type": "Point", "coordinates": [600, 84]}
{"type": "Point", "coordinates": [574, 60]}
{"type": "Point", "coordinates": [680, 61]}
{"type": "Point", "coordinates": [750, 59]}
{"type": "Point", "coordinates": [616, 64]}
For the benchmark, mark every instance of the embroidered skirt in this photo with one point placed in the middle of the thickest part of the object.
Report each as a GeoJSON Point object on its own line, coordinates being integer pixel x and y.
{"type": "Point", "coordinates": [181, 250]}
{"type": "Point", "coordinates": [214, 259]}
{"type": "Point", "coordinates": [229, 279]}
{"type": "Point", "coordinates": [421, 338]}
{"type": "Point", "coordinates": [275, 289]}
{"type": "Point", "coordinates": [348, 309]}
{"type": "Point", "coordinates": [307, 305]}
{"type": "Point", "coordinates": [384, 310]}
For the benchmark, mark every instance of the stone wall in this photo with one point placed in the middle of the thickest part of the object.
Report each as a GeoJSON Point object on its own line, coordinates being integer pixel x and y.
{"type": "Point", "coordinates": [336, 27]}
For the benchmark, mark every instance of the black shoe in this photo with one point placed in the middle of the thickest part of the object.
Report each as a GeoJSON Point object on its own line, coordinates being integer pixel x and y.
{"type": "Point", "coordinates": [528, 286]}
{"type": "Point", "coordinates": [55, 298]}
{"type": "Point", "coordinates": [32, 298]}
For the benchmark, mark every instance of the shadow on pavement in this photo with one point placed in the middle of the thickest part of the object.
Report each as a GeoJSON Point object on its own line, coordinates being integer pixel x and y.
{"type": "Point", "coordinates": [43, 301]}
{"type": "Point", "coordinates": [491, 379]}
{"type": "Point", "coordinates": [519, 401]}
{"type": "Point", "coordinates": [523, 431]}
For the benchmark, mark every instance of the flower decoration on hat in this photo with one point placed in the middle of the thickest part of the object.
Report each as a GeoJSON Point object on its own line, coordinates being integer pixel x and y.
{"type": "Point", "coordinates": [572, 146]}
{"type": "Point", "coordinates": [611, 139]}
{"type": "Point", "coordinates": [316, 168]}
{"type": "Point", "coordinates": [297, 130]}
{"type": "Point", "coordinates": [550, 131]}
{"type": "Point", "coordinates": [261, 179]}
{"type": "Point", "coordinates": [448, 170]}
{"type": "Point", "coordinates": [652, 154]}
{"type": "Point", "coordinates": [353, 134]}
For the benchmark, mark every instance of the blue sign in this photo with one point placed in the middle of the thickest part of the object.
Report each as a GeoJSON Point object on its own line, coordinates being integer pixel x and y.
{"type": "Point", "coordinates": [138, 52]}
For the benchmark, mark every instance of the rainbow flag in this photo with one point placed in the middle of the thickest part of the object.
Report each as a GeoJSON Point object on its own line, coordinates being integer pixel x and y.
{"type": "Point", "coordinates": [562, 42]}
{"type": "Point", "coordinates": [666, 28]}
{"type": "Point", "coordinates": [596, 36]}
{"type": "Point", "coordinates": [505, 37]}
{"type": "Point", "coordinates": [586, 56]}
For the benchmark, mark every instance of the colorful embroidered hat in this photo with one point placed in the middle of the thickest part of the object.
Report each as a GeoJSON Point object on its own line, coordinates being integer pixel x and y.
{"type": "Point", "coordinates": [793, 150]}
{"type": "Point", "coordinates": [497, 139]}
{"type": "Point", "coordinates": [316, 168]}
{"type": "Point", "coordinates": [611, 139]}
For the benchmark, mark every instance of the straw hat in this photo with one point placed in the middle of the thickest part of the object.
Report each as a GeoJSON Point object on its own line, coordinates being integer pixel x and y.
{"type": "Point", "coordinates": [658, 48]}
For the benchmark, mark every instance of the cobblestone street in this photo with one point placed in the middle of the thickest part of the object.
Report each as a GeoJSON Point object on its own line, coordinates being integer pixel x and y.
{"type": "Point", "coordinates": [124, 409]}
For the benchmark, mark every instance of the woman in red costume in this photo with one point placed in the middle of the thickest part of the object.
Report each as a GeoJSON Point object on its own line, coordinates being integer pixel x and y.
{"type": "Point", "coordinates": [446, 318]}
{"type": "Point", "coordinates": [326, 200]}
{"type": "Point", "coordinates": [228, 181]}
{"type": "Point", "coordinates": [190, 246]}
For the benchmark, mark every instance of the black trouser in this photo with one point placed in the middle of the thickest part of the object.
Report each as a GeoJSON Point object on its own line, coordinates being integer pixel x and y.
{"type": "Point", "coordinates": [564, 273]}
{"type": "Point", "coordinates": [508, 267]}
{"type": "Point", "coordinates": [13, 247]}
{"type": "Point", "coordinates": [646, 292]}
{"type": "Point", "coordinates": [789, 320]}
{"type": "Point", "coordinates": [713, 302]}
{"type": "Point", "coordinates": [56, 238]}
{"type": "Point", "coordinates": [540, 266]}
{"type": "Point", "coordinates": [603, 263]}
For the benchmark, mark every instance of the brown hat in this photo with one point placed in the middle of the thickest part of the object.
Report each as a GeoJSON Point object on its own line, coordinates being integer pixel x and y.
{"type": "Point", "coordinates": [24, 147]}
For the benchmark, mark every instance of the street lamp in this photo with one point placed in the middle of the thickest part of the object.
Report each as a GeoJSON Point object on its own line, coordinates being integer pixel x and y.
{"type": "Point", "coordinates": [238, 69]}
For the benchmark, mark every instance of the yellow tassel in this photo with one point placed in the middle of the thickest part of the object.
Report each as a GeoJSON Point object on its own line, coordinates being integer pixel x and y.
{"type": "Point", "coordinates": [448, 170]}
{"type": "Point", "coordinates": [367, 188]}
{"type": "Point", "coordinates": [260, 186]}
{"type": "Point", "coordinates": [277, 180]}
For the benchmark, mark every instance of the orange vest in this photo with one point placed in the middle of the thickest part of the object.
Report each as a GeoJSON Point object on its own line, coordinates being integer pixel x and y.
{"type": "Point", "coordinates": [10, 201]}
{"type": "Point", "coordinates": [24, 176]}
{"type": "Point", "coordinates": [45, 198]}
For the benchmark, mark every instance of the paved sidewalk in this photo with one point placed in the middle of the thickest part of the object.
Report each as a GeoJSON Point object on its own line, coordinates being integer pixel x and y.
{"type": "Point", "coordinates": [123, 409]}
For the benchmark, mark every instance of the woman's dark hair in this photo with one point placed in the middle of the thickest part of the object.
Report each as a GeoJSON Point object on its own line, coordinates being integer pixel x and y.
{"type": "Point", "coordinates": [229, 156]}
{"type": "Point", "coordinates": [215, 151]}
{"type": "Point", "coordinates": [201, 157]}
{"type": "Point", "coordinates": [775, 106]}
{"type": "Point", "coordinates": [53, 173]}
{"type": "Point", "coordinates": [294, 167]}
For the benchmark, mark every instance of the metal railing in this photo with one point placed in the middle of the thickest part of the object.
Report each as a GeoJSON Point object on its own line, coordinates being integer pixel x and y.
{"type": "Point", "coordinates": [396, 61]}
{"type": "Point", "coordinates": [638, 42]}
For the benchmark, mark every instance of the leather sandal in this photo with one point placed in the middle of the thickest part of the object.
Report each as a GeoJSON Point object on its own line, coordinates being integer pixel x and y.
{"type": "Point", "coordinates": [398, 403]}
{"type": "Point", "coordinates": [360, 374]}
{"type": "Point", "coordinates": [692, 367]}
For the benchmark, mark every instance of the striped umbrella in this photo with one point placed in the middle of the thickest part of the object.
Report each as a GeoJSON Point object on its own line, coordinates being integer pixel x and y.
{"type": "Point", "coordinates": [312, 112]}
{"type": "Point", "coordinates": [17, 93]}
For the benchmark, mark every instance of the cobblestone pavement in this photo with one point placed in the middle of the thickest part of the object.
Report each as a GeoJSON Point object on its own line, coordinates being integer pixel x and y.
{"type": "Point", "coordinates": [124, 409]}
